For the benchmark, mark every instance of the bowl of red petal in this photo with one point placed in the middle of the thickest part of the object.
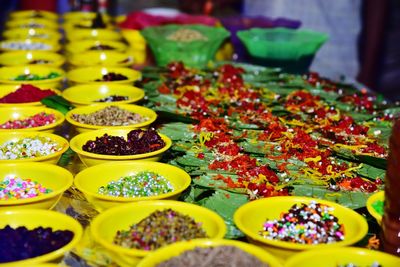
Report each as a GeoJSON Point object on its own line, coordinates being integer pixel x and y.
{"type": "Point", "coordinates": [29, 118]}
{"type": "Point", "coordinates": [32, 185]}
{"type": "Point", "coordinates": [287, 225]}
{"type": "Point", "coordinates": [33, 236]}
{"type": "Point", "coordinates": [24, 146]}
{"type": "Point", "coordinates": [105, 145]}
{"type": "Point", "coordinates": [96, 75]}
{"type": "Point", "coordinates": [37, 75]}
{"type": "Point", "coordinates": [24, 95]}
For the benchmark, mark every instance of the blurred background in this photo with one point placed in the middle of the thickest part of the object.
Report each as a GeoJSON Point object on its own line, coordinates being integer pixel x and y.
{"type": "Point", "coordinates": [363, 34]}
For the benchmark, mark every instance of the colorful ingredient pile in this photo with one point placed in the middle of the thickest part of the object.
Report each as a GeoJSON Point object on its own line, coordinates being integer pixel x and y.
{"type": "Point", "coordinates": [112, 98]}
{"type": "Point", "coordinates": [143, 184]}
{"type": "Point", "coordinates": [30, 147]}
{"type": "Point", "coordinates": [246, 132]}
{"type": "Point", "coordinates": [378, 206]}
{"type": "Point", "coordinates": [305, 224]}
{"type": "Point", "coordinates": [222, 256]}
{"type": "Point", "coordinates": [159, 229]}
{"type": "Point", "coordinates": [17, 188]}
{"type": "Point", "coordinates": [37, 120]}
{"type": "Point", "coordinates": [26, 93]}
{"type": "Point", "coordinates": [110, 116]}
{"type": "Point", "coordinates": [138, 142]}
{"type": "Point", "coordinates": [109, 77]}
{"type": "Point", "coordinates": [21, 243]}
{"type": "Point", "coordinates": [35, 77]}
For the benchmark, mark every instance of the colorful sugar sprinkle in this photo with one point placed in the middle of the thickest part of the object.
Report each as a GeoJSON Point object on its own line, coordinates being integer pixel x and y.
{"type": "Point", "coordinates": [159, 229]}
{"type": "Point", "coordinates": [13, 187]}
{"type": "Point", "coordinates": [143, 184]}
{"type": "Point", "coordinates": [305, 224]}
{"type": "Point", "coordinates": [37, 120]}
{"type": "Point", "coordinates": [29, 147]}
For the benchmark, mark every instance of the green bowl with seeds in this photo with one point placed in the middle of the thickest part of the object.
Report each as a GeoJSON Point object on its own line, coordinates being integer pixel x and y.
{"type": "Point", "coordinates": [127, 181]}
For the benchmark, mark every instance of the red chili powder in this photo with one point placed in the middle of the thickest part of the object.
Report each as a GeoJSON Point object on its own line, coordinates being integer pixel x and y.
{"type": "Point", "coordinates": [26, 93]}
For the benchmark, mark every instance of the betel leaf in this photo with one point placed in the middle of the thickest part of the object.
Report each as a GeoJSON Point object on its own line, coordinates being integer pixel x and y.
{"type": "Point", "coordinates": [172, 116]}
{"type": "Point", "coordinates": [371, 172]}
{"type": "Point", "coordinates": [178, 131]}
{"type": "Point", "coordinates": [225, 204]}
{"type": "Point", "coordinates": [353, 200]}
{"type": "Point", "coordinates": [210, 181]}
{"type": "Point", "coordinates": [373, 161]}
{"type": "Point", "coordinates": [66, 158]}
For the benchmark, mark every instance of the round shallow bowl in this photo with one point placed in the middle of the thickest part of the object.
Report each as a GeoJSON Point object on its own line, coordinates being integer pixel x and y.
{"type": "Point", "coordinates": [90, 45]}
{"type": "Point", "coordinates": [342, 257]}
{"type": "Point", "coordinates": [91, 159]}
{"type": "Point", "coordinates": [32, 23]}
{"type": "Point", "coordinates": [379, 196]}
{"type": "Point", "coordinates": [46, 218]}
{"type": "Point", "coordinates": [79, 16]}
{"type": "Point", "coordinates": [29, 14]}
{"type": "Point", "coordinates": [7, 89]}
{"type": "Point", "coordinates": [71, 26]}
{"type": "Point", "coordinates": [91, 179]}
{"type": "Point", "coordinates": [93, 34]}
{"type": "Point", "coordinates": [32, 44]}
{"type": "Point", "coordinates": [18, 58]}
{"type": "Point", "coordinates": [174, 250]}
{"type": "Point", "coordinates": [83, 127]}
{"type": "Point", "coordinates": [24, 33]}
{"type": "Point", "coordinates": [50, 176]}
{"type": "Point", "coordinates": [8, 74]}
{"type": "Point", "coordinates": [101, 58]}
{"type": "Point", "coordinates": [20, 113]}
{"type": "Point", "coordinates": [90, 74]}
{"type": "Point", "coordinates": [250, 218]}
{"type": "Point", "coordinates": [87, 94]}
{"type": "Point", "coordinates": [6, 136]}
{"type": "Point", "coordinates": [105, 226]}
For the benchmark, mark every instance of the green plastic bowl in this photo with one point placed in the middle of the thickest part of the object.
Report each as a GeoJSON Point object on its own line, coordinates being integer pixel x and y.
{"type": "Point", "coordinates": [196, 53]}
{"type": "Point", "coordinates": [292, 50]}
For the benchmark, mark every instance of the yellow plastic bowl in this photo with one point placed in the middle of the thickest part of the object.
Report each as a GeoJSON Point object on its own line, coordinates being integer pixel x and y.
{"type": "Point", "coordinates": [32, 23]}
{"type": "Point", "coordinates": [87, 94]}
{"type": "Point", "coordinates": [371, 200]}
{"type": "Point", "coordinates": [91, 159]}
{"type": "Point", "coordinates": [90, 74]}
{"type": "Point", "coordinates": [7, 74]}
{"type": "Point", "coordinates": [101, 58]}
{"type": "Point", "coordinates": [50, 176]}
{"type": "Point", "coordinates": [7, 89]}
{"type": "Point", "coordinates": [93, 34]}
{"type": "Point", "coordinates": [45, 218]}
{"type": "Point", "coordinates": [250, 218]}
{"type": "Point", "coordinates": [91, 179]}
{"type": "Point", "coordinates": [52, 158]}
{"type": "Point", "coordinates": [22, 112]}
{"type": "Point", "coordinates": [342, 256]}
{"type": "Point", "coordinates": [79, 16]}
{"type": "Point", "coordinates": [82, 127]}
{"type": "Point", "coordinates": [86, 45]}
{"type": "Point", "coordinates": [18, 58]}
{"type": "Point", "coordinates": [29, 14]}
{"type": "Point", "coordinates": [174, 250]}
{"type": "Point", "coordinates": [30, 44]}
{"type": "Point", "coordinates": [105, 226]}
{"type": "Point", "coordinates": [24, 33]}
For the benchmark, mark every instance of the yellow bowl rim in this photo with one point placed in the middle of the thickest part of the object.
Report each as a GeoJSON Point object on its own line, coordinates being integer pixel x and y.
{"type": "Point", "coordinates": [20, 14]}
{"type": "Point", "coordinates": [92, 108]}
{"type": "Point", "coordinates": [39, 109]}
{"type": "Point", "coordinates": [294, 246]}
{"type": "Point", "coordinates": [71, 47]}
{"type": "Point", "coordinates": [82, 34]}
{"type": "Point", "coordinates": [55, 46]}
{"type": "Point", "coordinates": [89, 87]}
{"type": "Point", "coordinates": [99, 69]}
{"type": "Point", "coordinates": [128, 206]}
{"type": "Point", "coordinates": [11, 33]}
{"type": "Point", "coordinates": [56, 253]}
{"type": "Point", "coordinates": [303, 256]}
{"type": "Point", "coordinates": [32, 69]}
{"type": "Point", "coordinates": [81, 175]}
{"type": "Point", "coordinates": [375, 197]}
{"type": "Point", "coordinates": [206, 242]}
{"type": "Point", "coordinates": [59, 61]}
{"type": "Point", "coordinates": [167, 140]}
{"type": "Point", "coordinates": [94, 53]}
{"type": "Point", "coordinates": [58, 139]}
{"type": "Point", "coordinates": [55, 168]}
{"type": "Point", "coordinates": [17, 23]}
